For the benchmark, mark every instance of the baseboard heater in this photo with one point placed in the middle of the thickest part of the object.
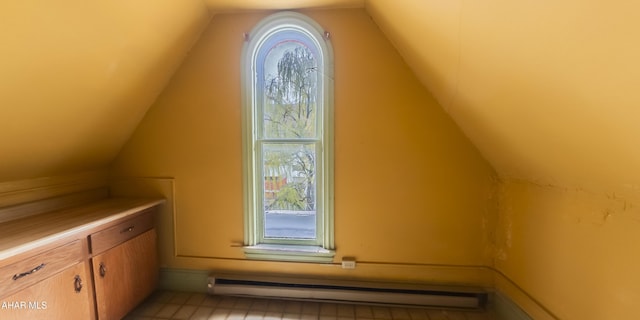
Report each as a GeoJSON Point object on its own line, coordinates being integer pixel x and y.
{"type": "Point", "coordinates": [345, 291]}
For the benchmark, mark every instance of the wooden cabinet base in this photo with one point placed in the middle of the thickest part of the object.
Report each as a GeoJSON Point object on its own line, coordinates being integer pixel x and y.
{"type": "Point", "coordinates": [91, 261]}
{"type": "Point", "coordinates": [125, 275]}
{"type": "Point", "coordinates": [66, 295]}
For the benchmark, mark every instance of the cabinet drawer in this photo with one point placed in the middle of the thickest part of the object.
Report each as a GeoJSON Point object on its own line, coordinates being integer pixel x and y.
{"type": "Point", "coordinates": [34, 269]}
{"type": "Point", "coordinates": [66, 295]}
{"type": "Point", "coordinates": [111, 237]}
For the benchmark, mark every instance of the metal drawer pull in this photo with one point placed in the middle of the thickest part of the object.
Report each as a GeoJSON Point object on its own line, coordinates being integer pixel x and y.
{"type": "Point", "coordinates": [77, 283]}
{"type": "Point", "coordinates": [24, 274]}
{"type": "Point", "coordinates": [103, 270]}
{"type": "Point", "coordinates": [129, 229]}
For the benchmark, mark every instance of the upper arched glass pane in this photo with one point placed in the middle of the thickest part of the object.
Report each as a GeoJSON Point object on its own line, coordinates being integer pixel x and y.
{"type": "Point", "coordinates": [290, 92]}
{"type": "Point", "coordinates": [289, 86]}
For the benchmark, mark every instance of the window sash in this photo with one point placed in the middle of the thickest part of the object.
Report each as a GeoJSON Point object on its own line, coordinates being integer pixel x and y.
{"type": "Point", "coordinates": [260, 139]}
{"type": "Point", "coordinates": [253, 140]}
{"type": "Point", "coordinates": [259, 191]}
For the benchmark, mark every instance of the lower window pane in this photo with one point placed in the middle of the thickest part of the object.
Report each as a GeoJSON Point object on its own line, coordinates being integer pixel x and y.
{"type": "Point", "coordinates": [289, 191]}
{"type": "Point", "coordinates": [284, 224]}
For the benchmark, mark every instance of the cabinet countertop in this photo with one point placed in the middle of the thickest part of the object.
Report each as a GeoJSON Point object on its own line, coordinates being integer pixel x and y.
{"type": "Point", "coordinates": [21, 235]}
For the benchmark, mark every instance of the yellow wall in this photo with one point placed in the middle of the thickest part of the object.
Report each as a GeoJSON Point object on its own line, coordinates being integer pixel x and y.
{"type": "Point", "coordinates": [573, 250]}
{"type": "Point", "coordinates": [410, 188]}
{"type": "Point", "coordinates": [544, 89]}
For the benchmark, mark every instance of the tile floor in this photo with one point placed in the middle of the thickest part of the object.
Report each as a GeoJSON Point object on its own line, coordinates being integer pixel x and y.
{"type": "Point", "coordinates": [184, 305]}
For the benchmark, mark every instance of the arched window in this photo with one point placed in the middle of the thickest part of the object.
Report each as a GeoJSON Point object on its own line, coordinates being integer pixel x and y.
{"type": "Point", "coordinates": [287, 79]}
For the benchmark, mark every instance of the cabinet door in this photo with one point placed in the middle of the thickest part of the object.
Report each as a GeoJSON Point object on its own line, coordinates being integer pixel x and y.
{"type": "Point", "coordinates": [124, 275]}
{"type": "Point", "coordinates": [66, 295]}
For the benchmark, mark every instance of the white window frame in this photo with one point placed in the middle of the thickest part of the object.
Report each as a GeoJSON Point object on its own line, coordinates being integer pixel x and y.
{"type": "Point", "coordinates": [322, 249]}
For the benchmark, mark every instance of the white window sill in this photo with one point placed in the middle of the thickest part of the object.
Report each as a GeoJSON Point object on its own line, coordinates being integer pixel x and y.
{"type": "Point", "coordinates": [297, 253]}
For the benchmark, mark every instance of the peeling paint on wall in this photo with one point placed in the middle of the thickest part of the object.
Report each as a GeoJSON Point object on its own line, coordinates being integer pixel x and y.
{"type": "Point", "coordinates": [572, 249]}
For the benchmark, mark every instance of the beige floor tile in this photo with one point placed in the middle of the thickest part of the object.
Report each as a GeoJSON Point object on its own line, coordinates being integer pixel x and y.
{"type": "Point", "coordinates": [311, 308]}
{"type": "Point", "coordinates": [237, 314]}
{"type": "Point", "coordinates": [167, 305]}
{"type": "Point", "coordinates": [418, 314]}
{"type": "Point", "coordinates": [148, 309]}
{"type": "Point", "coordinates": [328, 309]}
{"type": "Point", "coordinates": [211, 301]}
{"type": "Point", "coordinates": [363, 311]}
{"type": "Point", "coordinates": [167, 311]}
{"type": "Point", "coordinates": [135, 317]}
{"type": "Point", "coordinates": [202, 313]}
{"type": "Point", "coordinates": [293, 307]}
{"type": "Point", "coordinates": [227, 302]}
{"type": "Point", "coordinates": [243, 303]}
{"type": "Point", "coordinates": [184, 312]}
{"type": "Point", "coordinates": [219, 314]}
{"type": "Point", "coordinates": [180, 297]}
{"type": "Point", "coordinates": [478, 316]}
{"type": "Point", "coordinates": [255, 314]}
{"type": "Point", "coordinates": [196, 299]}
{"type": "Point", "coordinates": [270, 315]}
{"type": "Point", "coordinates": [437, 315]}
{"type": "Point", "coordinates": [381, 313]}
{"type": "Point", "coordinates": [260, 305]}
{"type": "Point", "coordinates": [276, 306]}
{"type": "Point", "coordinates": [346, 311]}
{"type": "Point", "coordinates": [164, 296]}
{"type": "Point", "coordinates": [400, 314]}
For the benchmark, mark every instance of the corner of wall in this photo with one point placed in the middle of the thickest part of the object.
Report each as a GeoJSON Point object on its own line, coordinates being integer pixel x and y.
{"type": "Point", "coordinates": [153, 187]}
{"type": "Point", "coordinates": [512, 303]}
{"type": "Point", "coordinates": [505, 309]}
{"type": "Point", "coordinates": [509, 300]}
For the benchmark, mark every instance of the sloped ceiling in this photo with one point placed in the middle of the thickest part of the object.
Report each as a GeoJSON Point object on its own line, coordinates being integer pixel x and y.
{"type": "Point", "coordinates": [77, 76]}
{"type": "Point", "coordinates": [547, 90]}
{"type": "Point", "coordinates": [217, 6]}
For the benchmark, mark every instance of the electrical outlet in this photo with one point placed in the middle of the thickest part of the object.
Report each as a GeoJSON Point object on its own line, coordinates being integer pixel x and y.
{"type": "Point", "coordinates": [348, 263]}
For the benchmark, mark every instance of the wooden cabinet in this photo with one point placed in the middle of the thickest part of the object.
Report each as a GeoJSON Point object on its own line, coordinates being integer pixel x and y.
{"type": "Point", "coordinates": [87, 268]}
{"type": "Point", "coordinates": [37, 267]}
{"type": "Point", "coordinates": [52, 284]}
{"type": "Point", "coordinates": [125, 267]}
{"type": "Point", "coordinates": [66, 295]}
